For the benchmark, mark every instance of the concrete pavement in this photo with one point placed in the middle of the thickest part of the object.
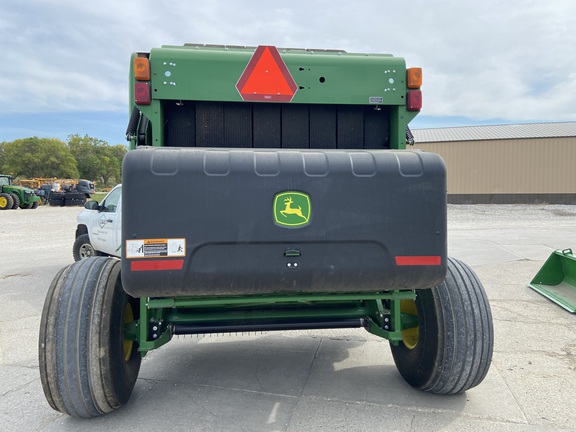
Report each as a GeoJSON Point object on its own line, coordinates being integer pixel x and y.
{"type": "Point", "coordinates": [312, 380]}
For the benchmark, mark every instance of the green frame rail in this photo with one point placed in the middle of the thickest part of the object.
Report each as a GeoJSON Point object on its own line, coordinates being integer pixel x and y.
{"type": "Point", "coordinates": [378, 313]}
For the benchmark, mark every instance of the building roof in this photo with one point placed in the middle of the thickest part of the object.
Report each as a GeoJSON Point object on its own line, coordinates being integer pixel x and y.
{"type": "Point", "coordinates": [495, 132]}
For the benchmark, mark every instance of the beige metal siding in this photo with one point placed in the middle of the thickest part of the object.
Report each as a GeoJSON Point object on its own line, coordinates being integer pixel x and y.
{"type": "Point", "coordinates": [514, 166]}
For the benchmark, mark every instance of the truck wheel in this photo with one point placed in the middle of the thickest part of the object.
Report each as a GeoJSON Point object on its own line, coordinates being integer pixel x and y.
{"type": "Point", "coordinates": [83, 248]}
{"type": "Point", "coordinates": [451, 349]}
{"type": "Point", "coordinates": [15, 200]}
{"type": "Point", "coordinates": [87, 368]}
{"type": "Point", "coordinates": [6, 201]}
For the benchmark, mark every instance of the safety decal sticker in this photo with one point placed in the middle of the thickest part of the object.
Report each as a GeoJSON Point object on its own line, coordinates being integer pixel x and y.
{"type": "Point", "coordinates": [154, 248]}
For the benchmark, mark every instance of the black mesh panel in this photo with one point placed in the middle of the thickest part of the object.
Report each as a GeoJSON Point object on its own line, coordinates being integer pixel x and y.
{"type": "Point", "coordinates": [274, 125]}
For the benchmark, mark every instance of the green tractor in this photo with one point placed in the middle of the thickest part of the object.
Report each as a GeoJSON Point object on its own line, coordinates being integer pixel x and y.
{"type": "Point", "coordinates": [12, 196]}
{"type": "Point", "coordinates": [268, 189]}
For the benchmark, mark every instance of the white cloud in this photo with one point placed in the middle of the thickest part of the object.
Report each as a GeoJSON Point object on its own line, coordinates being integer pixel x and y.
{"type": "Point", "coordinates": [510, 60]}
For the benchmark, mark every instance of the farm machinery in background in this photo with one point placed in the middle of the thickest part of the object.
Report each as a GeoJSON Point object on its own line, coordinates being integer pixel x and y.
{"type": "Point", "coordinates": [13, 196]}
{"type": "Point", "coordinates": [60, 192]}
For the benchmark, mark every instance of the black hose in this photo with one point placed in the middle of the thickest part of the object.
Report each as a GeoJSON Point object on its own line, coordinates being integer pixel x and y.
{"type": "Point", "coordinates": [132, 124]}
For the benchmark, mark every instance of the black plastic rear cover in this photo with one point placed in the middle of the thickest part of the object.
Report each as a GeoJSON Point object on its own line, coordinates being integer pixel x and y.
{"type": "Point", "coordinates": [240, 222]}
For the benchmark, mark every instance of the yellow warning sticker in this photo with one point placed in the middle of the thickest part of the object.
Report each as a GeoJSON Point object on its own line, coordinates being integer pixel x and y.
{"type": "Point", "coordinates": [147, 248]}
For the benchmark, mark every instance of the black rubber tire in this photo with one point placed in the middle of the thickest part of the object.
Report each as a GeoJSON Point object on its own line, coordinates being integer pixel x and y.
{"type": "Point", "coordinates": [57, 202]}
{"type": "Point", "coordinates": [455, 335]}
{"type": "Point", "coordinates": [6, 201]}
{"type": "Point", "coordinates": [83, 248]}
{"type": "Point", "coordinates": [69, 203]}
{"type": "Point", "coordinates": [56, 199]}
{"type": "Point", "coordinates": [15, 200]}
{"type": "Point", "coordinates": [83, 368]}
{"type": "Point", "coordinates": [35, 205]}
{"type": "Point", "coordinates": [73, 196]}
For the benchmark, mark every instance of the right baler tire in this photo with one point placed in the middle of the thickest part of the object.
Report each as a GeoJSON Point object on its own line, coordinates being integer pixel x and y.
{"type": "Point", "coordinates": [87, 368]}
{"type": "Point", "coordinates": [456, 335]}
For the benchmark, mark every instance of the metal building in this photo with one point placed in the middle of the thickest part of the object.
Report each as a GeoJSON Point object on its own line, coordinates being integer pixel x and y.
{"type": "Point", "coordinates": [506, 164]}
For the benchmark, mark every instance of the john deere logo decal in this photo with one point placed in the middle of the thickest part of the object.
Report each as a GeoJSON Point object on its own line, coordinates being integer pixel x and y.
{"type": "Point", "coordinates": [292, 209]}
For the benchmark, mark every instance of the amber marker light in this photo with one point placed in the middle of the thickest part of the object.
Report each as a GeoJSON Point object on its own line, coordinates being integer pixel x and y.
{"type": "Point", "coordinates": [414, 77]}
{"type": "Point", "coordinates": [142, 69]}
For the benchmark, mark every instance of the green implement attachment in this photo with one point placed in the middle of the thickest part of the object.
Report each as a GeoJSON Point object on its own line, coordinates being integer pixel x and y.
{"type": "Point", "coordinates": [556, 280]}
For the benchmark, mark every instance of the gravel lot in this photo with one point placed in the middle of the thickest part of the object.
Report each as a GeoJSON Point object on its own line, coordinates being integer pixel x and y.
{"type": "Point", "coordinates": [301, 381]}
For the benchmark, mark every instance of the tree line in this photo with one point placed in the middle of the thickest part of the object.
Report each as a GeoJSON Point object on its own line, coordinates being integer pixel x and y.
{"type": "Point", "coordinates": [79, 157]}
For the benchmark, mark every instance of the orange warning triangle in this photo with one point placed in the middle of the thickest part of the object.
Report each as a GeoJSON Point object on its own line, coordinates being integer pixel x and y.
{"type": "Point", "coordinates": [266, 77]}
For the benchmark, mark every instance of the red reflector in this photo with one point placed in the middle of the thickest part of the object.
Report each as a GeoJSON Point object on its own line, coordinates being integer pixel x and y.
{"type": "Point", "coordinates": [418, 260]}
{"type": "Point", "coordinates": [142, 93]}
{"type": "Point", "coordinates": [266, 78]}
{"type": "Point", "coordinates": [150, 265]}
{"type": "Point", "coordinates": [414, 100]}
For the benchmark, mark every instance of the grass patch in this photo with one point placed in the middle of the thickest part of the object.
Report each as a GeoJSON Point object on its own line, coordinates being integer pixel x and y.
{"type": "Point", "coordinates": [98, 196]}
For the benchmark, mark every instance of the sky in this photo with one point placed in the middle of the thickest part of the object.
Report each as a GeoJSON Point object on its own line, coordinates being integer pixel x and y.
{"type": "Point", "coordinates": [64, 63]}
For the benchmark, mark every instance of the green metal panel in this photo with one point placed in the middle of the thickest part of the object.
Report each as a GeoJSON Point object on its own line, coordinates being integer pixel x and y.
{"type": "Point", "coordinates": [556, 280]}
{"type": "Point", "coordinates": [211, 74]}
{"type": "Point", "coordinates": [162, 313]}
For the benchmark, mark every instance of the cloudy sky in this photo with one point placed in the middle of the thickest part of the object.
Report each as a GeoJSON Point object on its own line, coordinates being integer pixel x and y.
{"type": "Point", "coordinates": [64, 63]}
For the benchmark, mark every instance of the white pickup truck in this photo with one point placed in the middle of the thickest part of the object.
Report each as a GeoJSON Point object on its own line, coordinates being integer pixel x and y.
{"type": "Point", "coordinates": [99, 227]}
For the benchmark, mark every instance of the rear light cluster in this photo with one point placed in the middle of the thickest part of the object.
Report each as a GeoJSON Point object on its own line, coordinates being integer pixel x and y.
{"type": "Point", "coordinates": [414, 96]}
{"type": "Point", "coordinates": [141, 83]}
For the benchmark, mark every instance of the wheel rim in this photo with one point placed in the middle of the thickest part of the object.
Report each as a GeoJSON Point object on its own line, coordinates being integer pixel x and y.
{"type": "Point", "coordinates": [3, 202]}
{"type": "Point", "coordinates": [410, 335]}
{"type": "Point", "coordinates": [86, 251]}
{"type": "Point", "coordinates": [128, 343]}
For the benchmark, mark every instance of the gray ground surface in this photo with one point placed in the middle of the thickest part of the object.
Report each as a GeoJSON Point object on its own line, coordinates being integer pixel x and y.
{"type": "Point", "coordinates": [322, 380]}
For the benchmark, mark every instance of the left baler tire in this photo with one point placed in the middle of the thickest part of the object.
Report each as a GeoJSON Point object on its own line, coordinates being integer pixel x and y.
{"type": "Point", "coordinates": [87, 368]}
{"type": "Point", "coordinates": [454, 341]}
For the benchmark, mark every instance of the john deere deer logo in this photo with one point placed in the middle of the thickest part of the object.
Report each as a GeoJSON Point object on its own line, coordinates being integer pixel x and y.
{"type": "Point", "coordinates": [292, 209]}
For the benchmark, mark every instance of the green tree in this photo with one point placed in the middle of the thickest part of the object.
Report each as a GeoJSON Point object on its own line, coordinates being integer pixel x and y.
{"type": "Point", "coordinates": [37, 157]}
{"type": "Point", "coordinates": [112, 164]}
{"type": "Point", "coordinates": [96, 159]}
{"type": "Point", "coordinates": [87, 152]}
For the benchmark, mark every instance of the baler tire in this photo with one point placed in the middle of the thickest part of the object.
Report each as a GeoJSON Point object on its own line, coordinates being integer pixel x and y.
{"type": "Point", "coordinates": [86, 368]}
{"type": "Point", "coordinates": [455, 337]}
{"type": "Point", "coordinates": [83, 248]}
{"type": "Point", "coordinates": [15, 200]}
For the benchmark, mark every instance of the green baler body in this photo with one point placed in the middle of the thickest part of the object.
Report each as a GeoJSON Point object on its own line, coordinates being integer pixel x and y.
{"type": "Point", "coordinates": [323, 78]}
{"type": "Point", "coordinates": [338, 102]}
